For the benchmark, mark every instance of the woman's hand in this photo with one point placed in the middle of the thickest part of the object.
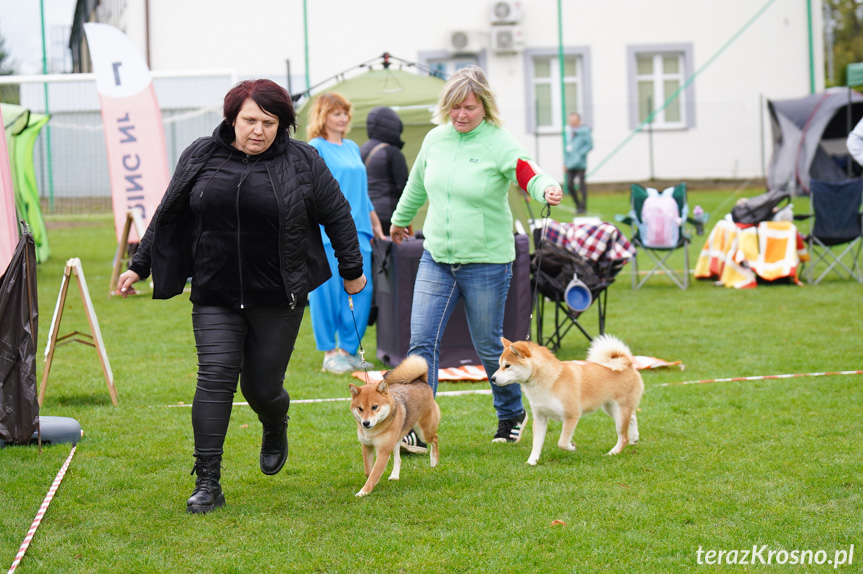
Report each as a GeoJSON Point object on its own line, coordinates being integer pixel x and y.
{"type": "Point", "coordinates": [553, 194]}
{"type": "Point", "coordinates": [354, 286]}
{"type": "Point", "coordinates": [377, 229]}
{"type": "Point", "coordinates": [124, 283]}
{"type": "Point", "coordinates": [398, 234]}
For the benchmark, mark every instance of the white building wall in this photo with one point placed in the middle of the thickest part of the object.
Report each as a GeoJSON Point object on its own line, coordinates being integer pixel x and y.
{"type": "Point", "coordinates": [736, 67]}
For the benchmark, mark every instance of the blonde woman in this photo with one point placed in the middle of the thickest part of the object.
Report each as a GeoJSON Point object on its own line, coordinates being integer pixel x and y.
{"type": "Point", "coordinates": [336, 334]}
{"type": "Point", "coordinates": [464, 170]}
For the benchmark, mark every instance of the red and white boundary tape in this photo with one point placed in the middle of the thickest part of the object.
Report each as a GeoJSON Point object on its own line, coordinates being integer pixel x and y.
{"type": "Point", "coordinates": [340, 399]}
{"type": "Point", "coordinates": [488, 391]}
{"type": "Point", "coordinates": [762, 377]}
{"type": "Point", "coordinates": [42, 509]}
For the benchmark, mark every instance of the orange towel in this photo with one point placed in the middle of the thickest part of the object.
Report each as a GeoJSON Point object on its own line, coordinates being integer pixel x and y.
{"type": "Point", "coordinates": [736, 255]}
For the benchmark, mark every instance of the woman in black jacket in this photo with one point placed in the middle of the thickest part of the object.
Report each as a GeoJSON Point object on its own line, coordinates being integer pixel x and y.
{"type": "Point", "coordinates": [240, 217]}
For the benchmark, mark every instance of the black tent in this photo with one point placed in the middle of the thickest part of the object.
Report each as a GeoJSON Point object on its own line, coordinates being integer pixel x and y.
{"type": "Point", "coordinates": [19, 320]}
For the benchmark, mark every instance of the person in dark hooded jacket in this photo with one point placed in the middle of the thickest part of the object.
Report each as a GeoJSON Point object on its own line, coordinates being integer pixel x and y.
{"type": "Point", "coordinates": [385, 163]}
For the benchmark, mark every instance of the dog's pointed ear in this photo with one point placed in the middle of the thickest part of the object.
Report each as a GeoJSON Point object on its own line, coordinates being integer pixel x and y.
{"type": "Point", "coordinates": [355, 390]}
{"type": "Point", "coordinates": [506, 342]}
{"type": "Point", "coordinates": [521, 349]}
{"type": "Point", "coordinates": [382, 387]}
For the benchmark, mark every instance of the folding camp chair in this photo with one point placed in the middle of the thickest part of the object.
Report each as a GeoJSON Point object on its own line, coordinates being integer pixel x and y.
{"type": "Point", "coordinates": [836, 225]}
{"type": "Point", "coordinates": [660, 253]}
{"type": "Point", "coordinates": [554, 270]}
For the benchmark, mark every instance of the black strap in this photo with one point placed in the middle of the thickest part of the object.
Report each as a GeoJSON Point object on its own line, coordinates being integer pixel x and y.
{"type": "Point", "coordinates": [374, 151]}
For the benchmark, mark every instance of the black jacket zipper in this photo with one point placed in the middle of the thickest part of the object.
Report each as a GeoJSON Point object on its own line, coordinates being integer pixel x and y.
{"type": "Point", "coordinates": [243, 177]}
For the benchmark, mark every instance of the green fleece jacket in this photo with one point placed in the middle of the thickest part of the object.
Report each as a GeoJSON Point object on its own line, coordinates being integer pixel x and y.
{"type": "Point", "coordinates": [466, 179]}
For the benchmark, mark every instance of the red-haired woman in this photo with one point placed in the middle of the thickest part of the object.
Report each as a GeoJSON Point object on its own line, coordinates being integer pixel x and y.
{"type": "Point", "coordinates": [339, 329]}
{"type": "Point", "coordinates": [241, 218]}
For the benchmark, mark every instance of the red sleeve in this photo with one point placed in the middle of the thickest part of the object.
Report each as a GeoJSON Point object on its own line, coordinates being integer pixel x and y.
{"type": "Point", "coordinates": [524, 172]}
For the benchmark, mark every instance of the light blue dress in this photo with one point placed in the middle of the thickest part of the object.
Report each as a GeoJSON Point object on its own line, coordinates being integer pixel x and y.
{"type": "Point", "coordinates": [332, 321]}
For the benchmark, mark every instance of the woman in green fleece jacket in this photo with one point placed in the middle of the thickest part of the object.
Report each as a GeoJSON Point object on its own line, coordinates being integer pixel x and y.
{"type": "Point", "coordinates": [464, 170]}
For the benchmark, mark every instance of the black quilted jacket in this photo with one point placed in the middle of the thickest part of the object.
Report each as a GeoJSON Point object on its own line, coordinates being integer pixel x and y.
{"type": "Point", "coordinates": [308, 195]}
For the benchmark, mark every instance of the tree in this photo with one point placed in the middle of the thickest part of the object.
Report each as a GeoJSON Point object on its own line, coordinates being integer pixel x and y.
{"type": "Point", "coordinates": [843, 20]}
{"type": "Point", "coordinates": [9, 93]}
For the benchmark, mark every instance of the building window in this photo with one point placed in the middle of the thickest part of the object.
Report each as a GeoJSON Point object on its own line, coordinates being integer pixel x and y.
{"type": "Point", "coordinates": [545, 104]}
{"type": "Point", "coordinates": [446, 67]}
{"type": "Point", "coordinates": [656, 82]}
{"type": "Point", "coordinates": [444, 64]}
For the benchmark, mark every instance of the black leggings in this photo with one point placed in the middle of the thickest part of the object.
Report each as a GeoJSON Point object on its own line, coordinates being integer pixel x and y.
{"type": "Point", "coordinates": [254, 343]}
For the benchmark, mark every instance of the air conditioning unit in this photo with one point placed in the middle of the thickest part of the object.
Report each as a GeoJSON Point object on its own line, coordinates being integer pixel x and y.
{"type": "Point", "coordinates": [507, 39]}
{"type": "Point", "coordinates": [505, 12]}
{"type": "Point", "coordinates": [464, 42]}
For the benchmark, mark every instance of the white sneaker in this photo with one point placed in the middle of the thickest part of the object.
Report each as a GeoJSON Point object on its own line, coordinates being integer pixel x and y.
{"type": "Point", "coordinates": [337, 364]}
{"type": "Point", "coordinates": [412, 443]}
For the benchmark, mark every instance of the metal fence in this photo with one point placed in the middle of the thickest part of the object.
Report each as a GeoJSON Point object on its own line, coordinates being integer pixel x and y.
{"type": "Point", "coordinates": [70, 158]}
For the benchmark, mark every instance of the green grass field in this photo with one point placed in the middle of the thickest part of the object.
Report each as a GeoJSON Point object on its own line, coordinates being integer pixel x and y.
{"type": "Point", "coordinates": [721, 466]}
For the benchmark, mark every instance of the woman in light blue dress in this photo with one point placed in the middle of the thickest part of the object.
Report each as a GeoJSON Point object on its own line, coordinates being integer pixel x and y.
{"type": "Point", "coordinates": [332, 321]}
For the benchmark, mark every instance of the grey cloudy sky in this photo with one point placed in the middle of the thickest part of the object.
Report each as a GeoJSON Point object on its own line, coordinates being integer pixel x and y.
{"type": "Point", "coordinates": [20, 25]}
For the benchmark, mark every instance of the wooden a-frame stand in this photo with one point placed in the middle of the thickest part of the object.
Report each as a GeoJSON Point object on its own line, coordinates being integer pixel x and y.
{"type": "Point", "coordinates": [94, 340]}
{"type": "Point", "coordinates": [133, 217]}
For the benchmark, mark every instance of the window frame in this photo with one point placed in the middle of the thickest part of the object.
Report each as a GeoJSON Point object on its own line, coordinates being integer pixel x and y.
{"type": "Point", "coordinates": [423, 59]}
{"type": "Point", "coordinates": [583, 87]}
{"type": "Point", "coordinates": [683, 51]}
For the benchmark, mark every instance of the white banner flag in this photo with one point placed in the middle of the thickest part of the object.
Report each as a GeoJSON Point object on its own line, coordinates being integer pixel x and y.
{"type": "Point", "coordinates": [132, 120]}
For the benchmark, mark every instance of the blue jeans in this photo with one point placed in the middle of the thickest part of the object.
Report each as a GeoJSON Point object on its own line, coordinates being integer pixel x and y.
{"type": "Point", "coordinates": [484, 287]}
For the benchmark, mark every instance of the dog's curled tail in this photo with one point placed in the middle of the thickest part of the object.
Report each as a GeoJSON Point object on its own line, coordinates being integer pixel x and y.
{"type": "Point", "coordinates": [413, 368]}
{"type": "Point", "coordinates": [611, 352]}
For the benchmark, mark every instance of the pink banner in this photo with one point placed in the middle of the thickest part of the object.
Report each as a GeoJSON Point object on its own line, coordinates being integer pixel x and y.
{"type": "Point", "coordinates": [137, 157]}
{"type": "Point", "coordinates": [132, 120]}
{"type": "Point", "coordinates": [8, 218]}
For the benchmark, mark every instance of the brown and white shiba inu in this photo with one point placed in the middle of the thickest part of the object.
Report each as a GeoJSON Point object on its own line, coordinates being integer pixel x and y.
{"type": "Point", "coordinates": [388, 410]}
{"type": "Point", "coordinates": [565, 391]}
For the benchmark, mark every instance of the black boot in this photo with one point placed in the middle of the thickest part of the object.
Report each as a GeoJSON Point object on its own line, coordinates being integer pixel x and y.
{"type": "Point", "coordinates": [274, 447]}
{"type": "Point", "coordinates": [207, 495]}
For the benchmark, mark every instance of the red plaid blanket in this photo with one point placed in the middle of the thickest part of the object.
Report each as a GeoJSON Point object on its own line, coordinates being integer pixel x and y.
{"type": "Point", "coordinates": [591, 241]}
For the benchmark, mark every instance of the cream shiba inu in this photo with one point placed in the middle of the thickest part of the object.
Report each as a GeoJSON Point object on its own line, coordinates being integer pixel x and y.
{"type": "Point", "coordinates": [388, 410]}
{"type": "Point", "coordinates": [565, 391]}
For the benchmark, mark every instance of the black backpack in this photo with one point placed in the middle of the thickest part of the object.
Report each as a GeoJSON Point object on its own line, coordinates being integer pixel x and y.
{"type": "Point", "coordinates": [760, 208]}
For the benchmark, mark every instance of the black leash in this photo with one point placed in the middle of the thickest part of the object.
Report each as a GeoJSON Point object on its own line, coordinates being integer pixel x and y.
{"type": "Point", "coordinates": [357, 329]}
{"type": "Point", "coordinates": [545, 214]}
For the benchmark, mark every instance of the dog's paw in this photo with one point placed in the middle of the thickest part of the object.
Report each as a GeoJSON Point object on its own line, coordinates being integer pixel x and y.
{"type": "Point", "coordinates": [532, 461]}
{"type": "Point", "coordinates": [567, 446]}
{"type": "Point", "coordinates": [361, 494]}
{"type": "Point", "coordinates": [394, 477]}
